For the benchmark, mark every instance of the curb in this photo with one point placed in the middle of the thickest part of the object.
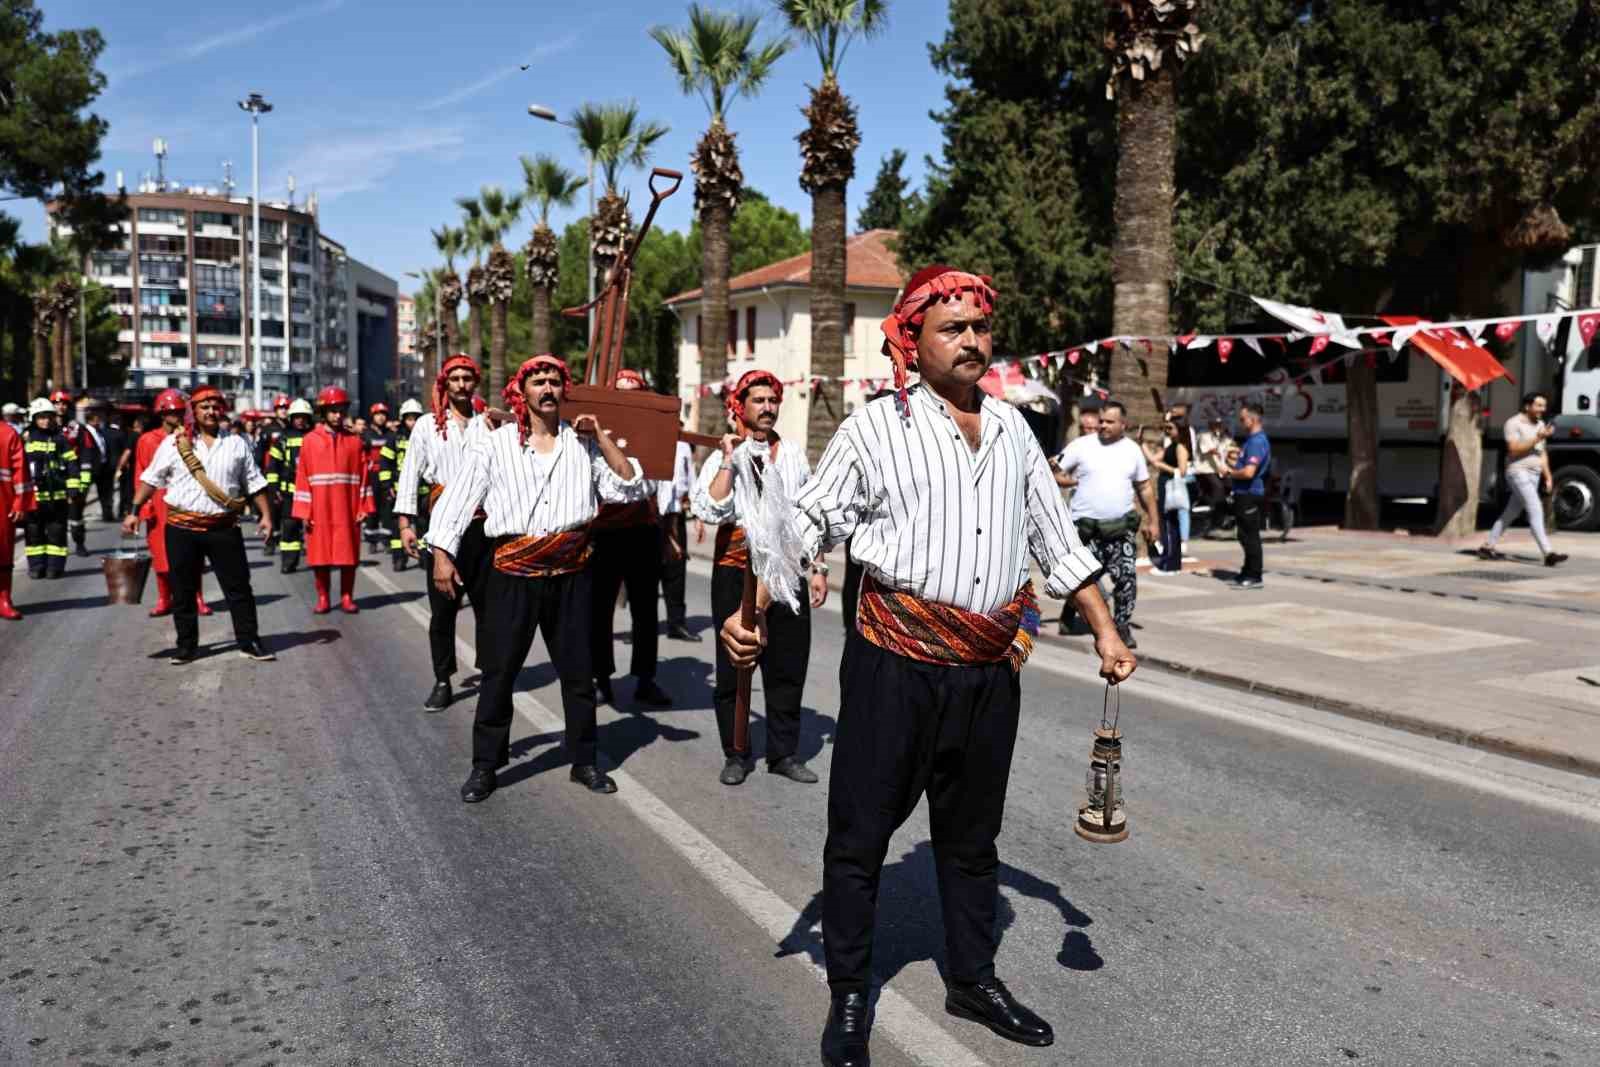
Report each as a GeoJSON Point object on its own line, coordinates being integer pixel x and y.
{"type": "Point", "coordinates": [1548, 757]}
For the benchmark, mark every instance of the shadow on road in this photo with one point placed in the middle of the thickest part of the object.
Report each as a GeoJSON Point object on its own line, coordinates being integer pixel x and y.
{"type": "Point", "coordinates": [280, 643]}
{"type": "Point", "coordinates": [45, 607]}
{"type": "Point", "coordinates": [387, 599]}
{"type": "Point", "coordinates": [617, 742]}
{"type": "Point", "coordinates": [909, 927]}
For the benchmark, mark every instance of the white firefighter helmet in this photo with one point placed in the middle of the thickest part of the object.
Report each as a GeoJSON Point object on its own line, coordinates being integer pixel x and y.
{"type": "Point", "coordinates": [301, 406]}
{"type": "Point", "coordinates": [411, 407]}
{"type": "Point", "coordinates": [11, 409]}
{"type": "Point", "coordinates": [41, 406]}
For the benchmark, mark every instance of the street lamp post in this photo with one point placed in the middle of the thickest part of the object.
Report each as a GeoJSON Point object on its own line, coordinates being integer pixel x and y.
{"type": "Point", "coordinates": [547, 115]}
{"type": "Point", "coordinates": [257, 107]}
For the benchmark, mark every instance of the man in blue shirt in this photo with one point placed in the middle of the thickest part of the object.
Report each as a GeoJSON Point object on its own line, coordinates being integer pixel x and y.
{"type": "Point", "coordinates": [1249, 479]}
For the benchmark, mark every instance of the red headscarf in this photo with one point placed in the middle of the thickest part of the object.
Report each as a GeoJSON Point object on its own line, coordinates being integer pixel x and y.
{"type": "Point", "coordinates": [205, 392]}
{"type": "Point", "coordinates": [734, 396]}
{"type": "Point", "coordinates": [928, 286]}
{"type": "Point", "coordinates": [512, 393]}
{"type": "Point", "coordinates": [440, 394]}
{"type": "Point", "coordinates": [628, 374]}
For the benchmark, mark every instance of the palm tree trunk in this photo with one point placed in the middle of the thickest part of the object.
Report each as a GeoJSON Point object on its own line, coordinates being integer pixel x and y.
{"type": "Point", "coordinates": [1141, 254]}
{"type": "Point", "coordinates": [497, 350]}
{"type": "Point", "coordinates": [541, 319]}
{"type": "Point", "coordinates": [827, 316]}
{"type": "Point", "coordinates": [55, 351]}
{"type": "Point", "coordinates": [716, 259]}
{"type": "Point", "coordinates": [41, 362]}
{"type": "Point", "coordinates": [1361, 426]}
{"type": "Point", "coordinates": [68, 349]}
{"type": "Point", "coordinates": [475, 330]}
{"type": "Point", "coordinates": [452, 331]}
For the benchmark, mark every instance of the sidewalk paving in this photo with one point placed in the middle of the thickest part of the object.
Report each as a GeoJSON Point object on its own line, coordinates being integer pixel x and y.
{"type": "Point", "coordinates": [1414, 633]}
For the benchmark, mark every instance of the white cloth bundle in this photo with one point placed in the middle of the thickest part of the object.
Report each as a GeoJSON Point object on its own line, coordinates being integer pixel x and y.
{"type": "Point", "coordinates": [765, 509]}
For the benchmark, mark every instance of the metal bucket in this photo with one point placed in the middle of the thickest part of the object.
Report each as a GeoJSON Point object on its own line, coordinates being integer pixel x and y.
{"type": "Point", "coordinates": [127, 571]}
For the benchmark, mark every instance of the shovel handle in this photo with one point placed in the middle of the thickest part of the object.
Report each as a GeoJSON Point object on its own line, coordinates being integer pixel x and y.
{"type": "Point", "coordinates": [741, 706]}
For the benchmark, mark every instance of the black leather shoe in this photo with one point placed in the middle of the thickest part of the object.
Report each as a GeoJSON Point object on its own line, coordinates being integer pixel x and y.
{"type": "Point", "coordinates": [1555, 559]}
{"type": "Point", "coordinates": [269, 549]}
{"type": "Point", "coordinates": [594, 779]}
{"type": "Point", "coordinates": [989, 1002]}
{"type": "Point", "coordinates": [184, 655]}
{"type": "Point", "coordinates": [478, 786]}
{"type": "Point", "coordinates": [440, 698]}
{"type": "Point", "coordinates": [602, 691]}
{"type": "Point", "coordinates": [734, 771]}
{"type": "Point", "coordinates": [844, 1039]}
{"type": "Point", "coordinates": [81, 552]}
{"type": "Point", "coordinates": [793, 770]}
{"type": "Point", "coordinates": [253, 650]}
{"type": "Point", "coordinates": [651, 695]}
{"type": "Point", "coordinates": [679, 632]}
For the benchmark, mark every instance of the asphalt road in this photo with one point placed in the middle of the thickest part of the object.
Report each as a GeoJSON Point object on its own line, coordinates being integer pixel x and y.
{"type": "Point", "coordinates": [267, 863]}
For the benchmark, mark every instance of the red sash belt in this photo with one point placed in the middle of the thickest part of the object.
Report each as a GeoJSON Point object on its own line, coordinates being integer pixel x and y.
{"type": "Point", "coordinates": [433, 498]}
{"type": "Point", "coordinates": [543, 557]}
{"type": "Point", "coordinates": [198, 522]}
{"type": "Point", "coordinates": [927, 632]}
{"type": "Point", "coordinates": [731, 548]}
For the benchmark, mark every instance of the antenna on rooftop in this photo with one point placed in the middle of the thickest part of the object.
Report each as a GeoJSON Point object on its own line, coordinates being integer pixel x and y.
{"type": "Point", "coordinates": [227, 178]}
{"type": "Point", "coordinates": [160, 149]}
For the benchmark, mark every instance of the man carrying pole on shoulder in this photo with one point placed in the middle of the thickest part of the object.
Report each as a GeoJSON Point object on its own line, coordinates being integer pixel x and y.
{"type": "Point", "coordinates": [946, 493]}
{"type": "Point", "coordinates": [540, 482]}
{"type": "Point", "coordinates": [208, 477]}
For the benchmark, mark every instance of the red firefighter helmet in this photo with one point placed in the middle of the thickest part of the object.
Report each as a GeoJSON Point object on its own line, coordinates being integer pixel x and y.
{"type": "Point", "coordinates": [379, 406]}
{"type": "Point", "coordinates": [171, 401]}
{"type": "Point", "coordinates": [332, 396]}
{"type": "Point", "coordinates": [281, 403]}
{"type": "Point", "coordinates": [60, 396]}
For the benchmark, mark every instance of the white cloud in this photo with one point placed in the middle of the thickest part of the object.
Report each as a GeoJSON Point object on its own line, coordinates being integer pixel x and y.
{"type": "Point", "coordinates": [455, 96]}
{"type": "Point", "coordinates": [237, 35]}
{"type": "Point", "coordinates": [356, 162]}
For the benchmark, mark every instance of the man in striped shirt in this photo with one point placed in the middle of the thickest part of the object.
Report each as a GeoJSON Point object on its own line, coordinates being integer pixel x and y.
{"type": "Point", "coordinates": [753, 404]}
{"type": "Point", "coordinates": [436, 455]}
{"type": "Point", "coordinates": [539, 480]}
{"type": "Point", "coordinates": [207, 476]}
{"type": "Point", "coordinates": [946, 493]}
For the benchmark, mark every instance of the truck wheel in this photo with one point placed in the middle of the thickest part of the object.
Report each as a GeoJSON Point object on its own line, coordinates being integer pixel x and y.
{"type": "Point", "coordinates": [1577, 499]}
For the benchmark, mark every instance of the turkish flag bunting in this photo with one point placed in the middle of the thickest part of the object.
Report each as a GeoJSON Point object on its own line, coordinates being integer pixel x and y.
{"type": "Point", "coordinates": [1185, 338]}
{"type": "Point", "coordinates": [1505, 331]}
{"type": "Point", "coordinates": [1588, 326]}
{"type": "Point", "coordinates": [1075, 355]}
{"type": "Point", "coordinates": [1470, 364]}
{"type": "Point", "coordinates": [1224, 348]}
{"type": "Point", "coordinates": [1318, 344]}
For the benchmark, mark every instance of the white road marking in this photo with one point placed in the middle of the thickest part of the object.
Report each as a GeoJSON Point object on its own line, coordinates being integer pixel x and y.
{"type": "Point", "coordinates": [902, 1022]}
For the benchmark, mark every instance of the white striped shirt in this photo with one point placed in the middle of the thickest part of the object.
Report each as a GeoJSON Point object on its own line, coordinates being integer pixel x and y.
{"type": "Point", "coordinates": [790, 464]}
{"type": "Point", "coordinates": [931, 517]}
{"type": "Point", "coordinates": [670, 493]}
{"type": "Point", "coordinates": [504, 477]}
{"type": "Point", "coordinates": [230, 463]}
{"type": "Point", "coordinates": [431, 460]}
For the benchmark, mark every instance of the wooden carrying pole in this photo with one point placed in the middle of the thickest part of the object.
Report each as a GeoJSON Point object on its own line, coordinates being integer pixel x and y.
{"type": "Point", "coordinates": [747, 619]}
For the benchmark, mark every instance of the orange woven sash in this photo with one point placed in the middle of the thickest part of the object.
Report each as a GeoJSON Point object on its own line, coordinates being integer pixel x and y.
{"type": "Point", "coordinates": [938, 633]}
{"type": "Point", "coordinates": [543, 557]}
{"type": "Point", "coordinates": [731, 548]}
{"type": "Point", "coordinates": [437, 491]}
{"type": "Point", "coordinates": [198, 522]}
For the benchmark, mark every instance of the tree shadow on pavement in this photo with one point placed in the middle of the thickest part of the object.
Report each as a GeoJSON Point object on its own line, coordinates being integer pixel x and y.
{"type": "Point", "coordinates": [909, 928]}
{"type": "Point", "coordinates": [617, 741]}
{"type": "Point", "coordinates": [45, 607]}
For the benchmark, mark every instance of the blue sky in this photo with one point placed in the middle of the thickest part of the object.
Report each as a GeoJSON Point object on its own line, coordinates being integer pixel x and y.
{"type": "Point", "coordinates": [389, 110]}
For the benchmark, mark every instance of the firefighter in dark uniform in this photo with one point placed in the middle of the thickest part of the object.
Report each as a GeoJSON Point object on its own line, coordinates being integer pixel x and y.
{"type": "Point", "coordinates": [83, 443]}
{"type": "Point", "coordinates": [271, 433]}
{"type": "Point", "coordinates": [283, 458]}
{"type": "Point", "coordinates": [53, 469]}
{"type": "Point", "coordinates": [390, 462]}
{"type": "Point", "coordinates": [377, 439]}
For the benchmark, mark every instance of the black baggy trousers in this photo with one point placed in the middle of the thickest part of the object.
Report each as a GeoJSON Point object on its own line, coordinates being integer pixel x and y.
{"type": "Point", "coordinates": [472, 563]}
{"type": "Point", "coordinates": [783, 666]}
{"type": "Point", "coordinates": [908, 728]}
{"type": "Point", "coordinates": [628, 556]}
{"type": "Point", "coordinates": [187, 552]}
{"type": "Point", "coordinates": [559, 607]}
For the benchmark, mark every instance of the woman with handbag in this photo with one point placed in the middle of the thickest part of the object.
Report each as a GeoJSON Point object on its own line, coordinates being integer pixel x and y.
{"type": "Point", "coordinates": [1173, 466]}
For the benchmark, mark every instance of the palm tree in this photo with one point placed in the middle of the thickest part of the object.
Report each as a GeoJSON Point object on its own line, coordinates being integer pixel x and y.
{"type": "Point", "coordinates": [472, 241]}
{"type": "Point", "coordinates": [449, 242]}
{"type": "Point", "coordinates": [717, 59]}
{"type": "Point", "coordinates": [44, 317]}
{"type": "Point", "coordinates": [548, 184]}
{"type": "Point", "coordinates": [64, 296]}
{"type": "Point", "coordinates": [1148, 40]}
{"type": "Point", "coordinates": [828, 148]}
{"type": "Point", "coordinates": [500, 213]}
{"type": "Point", "coordinates": [617, 138]}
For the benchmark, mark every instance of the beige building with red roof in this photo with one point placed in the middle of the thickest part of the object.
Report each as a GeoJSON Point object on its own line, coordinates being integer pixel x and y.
{"type": "Point", "coordinates": [769, 326]}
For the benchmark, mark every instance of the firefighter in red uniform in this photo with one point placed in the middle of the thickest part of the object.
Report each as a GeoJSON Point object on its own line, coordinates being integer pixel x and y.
{"type": "Point", "coordinates": [16, 500]}
{"type": "Point", "coordinates": [171, 405]}
{"type": "Point", "coordinates": [332, 495]}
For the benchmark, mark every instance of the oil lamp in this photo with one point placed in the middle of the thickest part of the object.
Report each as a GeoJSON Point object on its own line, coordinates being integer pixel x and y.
{"type": "Point", "coordinates": [1102, 819]}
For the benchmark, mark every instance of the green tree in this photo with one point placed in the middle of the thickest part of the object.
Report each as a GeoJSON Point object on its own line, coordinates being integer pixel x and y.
{"type": "Point", "coordinates": [718, 59]}
{"type": "Point", "coordinates": [828, 151]}
{"type": "Point", "coordinates": [500, 212]}
{"type": "Point", "coordinates": [449, 242]}
{"type": "Point", "coordinates": [548, 184]}
{"type": "Point", "coordinates": [888, 204]}
{"type": "Point", "coordinates": [477, 290]}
